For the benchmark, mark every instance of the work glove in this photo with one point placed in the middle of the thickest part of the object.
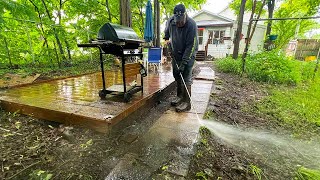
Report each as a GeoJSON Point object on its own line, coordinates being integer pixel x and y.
{"type": "Point", "coordinates": [182, 66]}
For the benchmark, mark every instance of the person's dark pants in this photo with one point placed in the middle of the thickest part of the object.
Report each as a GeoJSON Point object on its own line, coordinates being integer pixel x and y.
{"type": "Point", "coordinates": [186, 74]}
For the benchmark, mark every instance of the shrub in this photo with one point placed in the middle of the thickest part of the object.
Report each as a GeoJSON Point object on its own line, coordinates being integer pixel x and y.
{"type": "Point", "coordinates": [273, 67]}
{"type": "Point", "coordinates": [229, 65]}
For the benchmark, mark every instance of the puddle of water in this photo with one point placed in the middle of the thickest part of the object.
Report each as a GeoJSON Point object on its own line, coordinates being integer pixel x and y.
{"type": "Point", "coordinates": [278, 151]}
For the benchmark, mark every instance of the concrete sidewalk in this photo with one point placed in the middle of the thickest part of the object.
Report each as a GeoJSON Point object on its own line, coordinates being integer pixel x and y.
{"type": "Point", "coordinates": [169, 143]}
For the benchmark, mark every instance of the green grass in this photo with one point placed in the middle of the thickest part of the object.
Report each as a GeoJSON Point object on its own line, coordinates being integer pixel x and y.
{"type": "Point", "coordinates": [307, 174]}
{"type": "Point", "coordinates": [256, 171]}
{"type": "Point", "coordinates": [296, 106]}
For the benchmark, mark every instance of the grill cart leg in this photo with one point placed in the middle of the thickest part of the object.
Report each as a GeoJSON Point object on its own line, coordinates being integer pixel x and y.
{"type": "Point", "coordinates": [123, 74]}
{"type": "Point", "coordinates": [103, 92]}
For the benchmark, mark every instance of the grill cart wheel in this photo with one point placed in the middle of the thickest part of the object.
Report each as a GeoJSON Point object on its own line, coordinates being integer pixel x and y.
{"type": "Point", "coordinates": [102, 94]}
{"type": "Point", "coordinates": [127, 97]}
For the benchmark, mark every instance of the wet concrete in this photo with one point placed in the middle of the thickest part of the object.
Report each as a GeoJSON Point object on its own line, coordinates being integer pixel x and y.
{"type": "Point", "coordinates": [206, 74]}
{"type": "Point", "coordinates": [76, 101]}
{"type": "Point", "coordinates": [168, 144]}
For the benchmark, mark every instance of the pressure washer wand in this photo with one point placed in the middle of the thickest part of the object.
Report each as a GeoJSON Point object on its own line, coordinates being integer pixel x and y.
{"type": "Point", "coordinates": [184, 83]}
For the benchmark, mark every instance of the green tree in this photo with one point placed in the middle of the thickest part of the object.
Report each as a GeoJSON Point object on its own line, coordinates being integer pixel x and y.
{"type": "Point", "coordinates": [286, 29]}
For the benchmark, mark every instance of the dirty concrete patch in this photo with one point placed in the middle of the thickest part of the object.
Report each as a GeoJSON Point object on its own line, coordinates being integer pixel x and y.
{"type": "Point", "coordinates": [165, 151]}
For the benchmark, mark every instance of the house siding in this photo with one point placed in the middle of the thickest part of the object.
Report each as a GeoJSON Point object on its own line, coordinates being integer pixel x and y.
{"type": "Point", "coordinates": [205, 16]}
{"type": "Point", "coordinates": [222, 50]}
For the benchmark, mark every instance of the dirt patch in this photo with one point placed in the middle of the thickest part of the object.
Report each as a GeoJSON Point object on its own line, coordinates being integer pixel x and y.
{"type": "Point", "coordinates": [32, 148]}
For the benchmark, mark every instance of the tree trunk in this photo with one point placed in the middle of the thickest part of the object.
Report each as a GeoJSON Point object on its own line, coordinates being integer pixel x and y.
{"type": "Point", "coordinates": [42, 31]}
{"type": "Point", "coordinates": [239, 30]}
{"type": "Point", "coordinates": [30, 44]}
{"type": "Point", "coordinates": [270, 15]}
{"type": "Point", "coordinates": [125, 13]}
{"type": "Point", "coordinates": [55, 32]}
{"type": "Point", "coordinates": [244, 55]}
{"type": "Point", "coordinates": [141, 17]}
{"type": "Point", "coordinates": [68, 49]}
{"type": "Point", "coordinates": [108, 9]}
{"type": "Point", "coordinates": [256, 22]}
{"type": "Point", "coordinates": [57, 56]}
{"type": "Point", "coordinates": [8, 51]}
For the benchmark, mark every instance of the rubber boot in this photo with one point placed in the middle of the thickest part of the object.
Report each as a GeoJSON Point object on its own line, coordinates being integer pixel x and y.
{"type": "Point", "coordinates": [177, 100]}
{"type": "Point", "coordinates": [185, 105]}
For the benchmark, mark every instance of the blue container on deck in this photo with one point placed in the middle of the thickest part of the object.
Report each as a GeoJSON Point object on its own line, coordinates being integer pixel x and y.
{"type": "Point", "coordinates": [154, 55]}
{"type": "Point", "coordinates": [273, 37]}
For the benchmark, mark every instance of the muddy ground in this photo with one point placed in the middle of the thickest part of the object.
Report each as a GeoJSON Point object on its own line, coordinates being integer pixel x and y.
{"type": "Point", "coordinates": [35, 149]}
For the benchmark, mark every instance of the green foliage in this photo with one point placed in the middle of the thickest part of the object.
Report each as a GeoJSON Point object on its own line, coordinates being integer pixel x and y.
{"type": "Point", "coordinates": [40, 175]}
{"type": "Point", "coordinates": [87, 144]}
{"type": "Point", "coordinates": [204, 132]}
{"type": "Point", "coordinates": [42, 33]}
{"type": "Point", "coordinates": [256, 171]}
{"type": "Point", "coordinates": [167, 6]}
{"type": "Point", "coordinates": [297, 106]}
{"type": "Point", "coordinates": [294, 8]}
{"type": "Point", "coordinates": [209, 114]}
{"type": "Point", "coordinates": [273, 67]}
{"type": "Point", "coordinates": [201, 175]}
{"type": "Point", "coordinates": [307, 174]}
{"type": "Point", "coordinates": [229, 65]}
{"type": "Point", "coordinates": [235, 6]}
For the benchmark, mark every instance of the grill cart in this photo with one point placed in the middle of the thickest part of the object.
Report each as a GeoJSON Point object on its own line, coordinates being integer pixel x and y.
{"type": "Point", "coordinates": [122, 42]}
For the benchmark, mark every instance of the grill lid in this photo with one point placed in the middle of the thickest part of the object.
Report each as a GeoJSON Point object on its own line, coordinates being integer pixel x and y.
{"type": "Point", "coordinates": [117, 33]}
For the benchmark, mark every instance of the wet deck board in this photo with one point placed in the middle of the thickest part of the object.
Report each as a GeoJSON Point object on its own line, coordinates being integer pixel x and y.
{"type": "Point", "coordinates": [76, 101]}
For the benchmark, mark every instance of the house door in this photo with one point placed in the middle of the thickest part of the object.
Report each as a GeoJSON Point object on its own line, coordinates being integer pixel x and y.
{"type": "Point", "coordinates": [200, 38]}
{"type": "Point", "coordinates": [216, 46]}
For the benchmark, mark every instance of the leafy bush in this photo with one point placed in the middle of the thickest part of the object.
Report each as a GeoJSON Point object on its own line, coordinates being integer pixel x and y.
{"type": "Point", "coordinates": [229, 65]}
{"type": "Point", "coordinates": [273, 67]}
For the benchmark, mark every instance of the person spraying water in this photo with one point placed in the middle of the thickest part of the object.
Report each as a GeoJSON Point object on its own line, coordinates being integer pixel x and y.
{"type": "Point", "coordinates": [181, 34]}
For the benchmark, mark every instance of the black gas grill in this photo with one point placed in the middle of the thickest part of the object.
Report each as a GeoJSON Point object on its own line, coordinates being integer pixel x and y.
{"type": "Point", "coordinates": [122, 42]}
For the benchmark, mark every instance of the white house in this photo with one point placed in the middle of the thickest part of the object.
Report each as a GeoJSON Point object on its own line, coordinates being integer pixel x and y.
{"type": "Point", "coordinates": [216, 33]}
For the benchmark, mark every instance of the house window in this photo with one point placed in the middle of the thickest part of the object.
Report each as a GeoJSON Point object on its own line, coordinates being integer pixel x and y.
{"type": "Point", "coordinates": [216, 37]}
{"type": "Point", "coordinates": [200, 35]}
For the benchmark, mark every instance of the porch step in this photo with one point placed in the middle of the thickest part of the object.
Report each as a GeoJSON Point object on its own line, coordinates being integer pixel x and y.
{"type": "Point", "coordinates": [200, 56]}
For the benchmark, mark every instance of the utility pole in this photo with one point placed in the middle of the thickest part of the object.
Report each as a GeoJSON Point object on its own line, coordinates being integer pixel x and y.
{"type": "Point", "coordinates": [239, 30]}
